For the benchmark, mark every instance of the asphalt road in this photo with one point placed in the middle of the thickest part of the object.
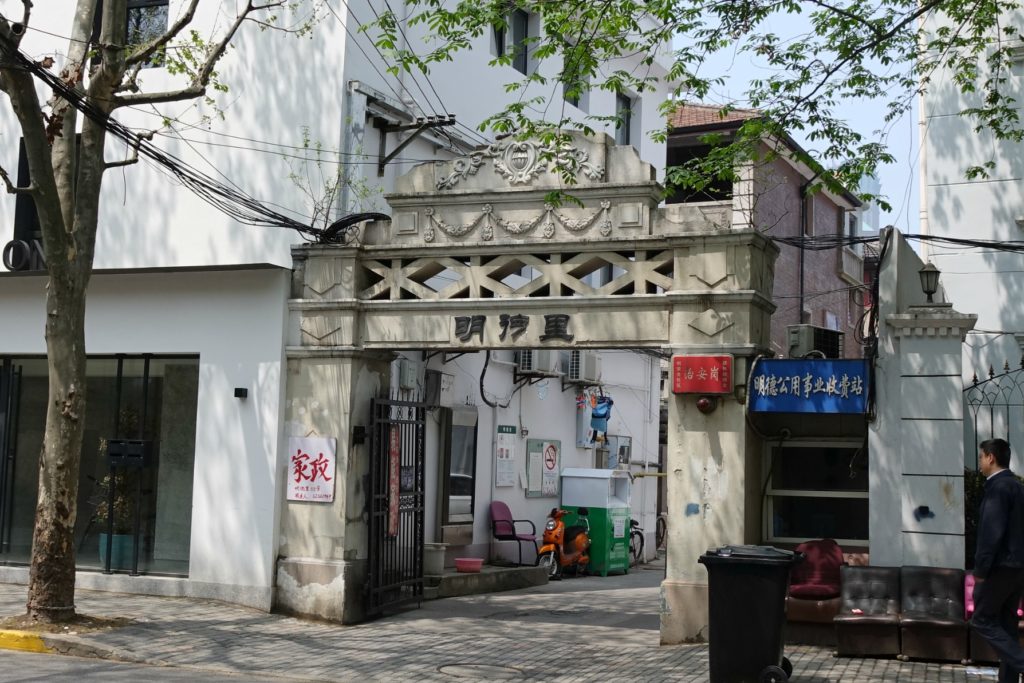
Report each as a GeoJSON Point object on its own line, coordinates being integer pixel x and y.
{"type": "Point", "coordinates": [28, 667]}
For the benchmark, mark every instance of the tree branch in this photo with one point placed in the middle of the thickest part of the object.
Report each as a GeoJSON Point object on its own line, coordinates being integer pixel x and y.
{"type": "Point", "coordinates": [849, 15]}
{"type": "Point", "coordinates": [12, 188]}
{"type": "Point", "coordinates": [134, 157]}
{"type": "Point", "coordinates": [202, 75]}
{"type": "Point", "coordinates": [189, 93]}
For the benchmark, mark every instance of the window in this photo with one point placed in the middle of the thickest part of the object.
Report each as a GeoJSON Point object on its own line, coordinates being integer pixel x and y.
{"type": "Point", "coordinates": [574, 84]}
{"type": "Point", "coordinates": [145, 20]}
{"type": "Point", "coordinates": [511, 38]}
{"type": "Point", "coordinates": [818, 491]}
{"type": "Point", "coordinates": [458, 448]}
{"type": "Point", "coordinates": [624, 114]}
{"type": "Point", "coordinates": [130, 397]}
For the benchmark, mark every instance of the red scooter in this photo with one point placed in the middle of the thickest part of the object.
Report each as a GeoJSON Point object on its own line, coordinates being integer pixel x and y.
{"type": "Point", "coordinates": [565, 547]}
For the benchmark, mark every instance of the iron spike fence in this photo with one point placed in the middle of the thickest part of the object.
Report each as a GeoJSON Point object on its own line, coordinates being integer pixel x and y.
{"type": "Point", "coordinates": [995, 406]}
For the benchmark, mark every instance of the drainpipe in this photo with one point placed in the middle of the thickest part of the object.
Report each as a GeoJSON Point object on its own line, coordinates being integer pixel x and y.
{"type": "Point", "coordinates": [805, 217]}
{"type": "Point", "coordinates": [803, 252]}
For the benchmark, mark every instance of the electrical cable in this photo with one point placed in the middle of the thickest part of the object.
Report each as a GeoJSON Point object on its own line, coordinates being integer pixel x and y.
{"type": "Point", "coordinates": [229, 200]}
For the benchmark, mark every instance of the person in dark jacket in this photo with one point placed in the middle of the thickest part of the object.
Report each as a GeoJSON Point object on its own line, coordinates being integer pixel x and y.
{"type": "Point", "coordinates": [999, 559]}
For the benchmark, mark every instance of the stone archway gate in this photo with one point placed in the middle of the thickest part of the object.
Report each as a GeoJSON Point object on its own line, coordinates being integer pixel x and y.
{"type": "Point", "coordinates": [476, 257]}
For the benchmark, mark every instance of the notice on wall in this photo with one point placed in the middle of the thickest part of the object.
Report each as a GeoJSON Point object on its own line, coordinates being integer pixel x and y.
{"type": "Point", "coordinates": [533, 473]}
{"type": "Point", "coordinates": [505, 457]}
{"type": "Point", "coordinates": [544, 468]}
{"type": "Point", "coordinates": [311, 469]}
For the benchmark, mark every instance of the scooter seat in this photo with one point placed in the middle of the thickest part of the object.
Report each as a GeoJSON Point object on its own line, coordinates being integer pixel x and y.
{"type": "Point", "coordinates": [572, 532]}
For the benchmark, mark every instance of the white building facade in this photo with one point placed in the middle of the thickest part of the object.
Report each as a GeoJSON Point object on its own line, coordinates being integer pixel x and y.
{"type": "Point", "coordinates": [188, 310]}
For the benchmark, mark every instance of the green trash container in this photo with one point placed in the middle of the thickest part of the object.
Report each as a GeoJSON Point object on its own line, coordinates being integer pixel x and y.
{"type": "Point", "coordinates": [605, 493]}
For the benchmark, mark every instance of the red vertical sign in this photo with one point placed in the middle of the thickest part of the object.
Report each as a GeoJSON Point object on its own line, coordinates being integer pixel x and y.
{"type": "Point", "coordinates": [394, 458]}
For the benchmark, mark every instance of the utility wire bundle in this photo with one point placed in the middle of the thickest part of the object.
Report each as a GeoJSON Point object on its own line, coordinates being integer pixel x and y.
{"type": "Point", "coordinates": [231, 201]}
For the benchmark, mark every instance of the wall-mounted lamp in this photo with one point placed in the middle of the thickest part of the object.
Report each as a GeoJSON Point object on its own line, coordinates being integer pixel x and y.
{"type": "Point", "coordinates": [707, 404]}
{"type": "Point", "coordinates": [923, 512]}
{"type": "Point", "coordinates": [241, 392]}
{"type": "Point", "coordinates": [929, 275]}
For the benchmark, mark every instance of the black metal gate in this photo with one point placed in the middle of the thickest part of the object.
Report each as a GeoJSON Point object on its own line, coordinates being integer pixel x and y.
{"type": "Point", "coordinates": [395, 503]}
{"type": "Point", "coordinates": [995, 407]}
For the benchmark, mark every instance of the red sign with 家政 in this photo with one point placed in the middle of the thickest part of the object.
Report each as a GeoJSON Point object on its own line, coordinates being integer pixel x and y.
{"type": "Point", "coordinates": [702, 374]}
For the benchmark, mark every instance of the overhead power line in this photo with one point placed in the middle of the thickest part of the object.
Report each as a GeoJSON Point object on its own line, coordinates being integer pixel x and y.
{"type": "Point", "coordinates": [230, 200]}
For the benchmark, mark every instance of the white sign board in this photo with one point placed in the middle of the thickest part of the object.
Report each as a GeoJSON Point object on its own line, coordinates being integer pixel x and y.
{"type": "Point", "coordinates": [505, 457]}
{"type": "Point", "coordinates": [311, 464]}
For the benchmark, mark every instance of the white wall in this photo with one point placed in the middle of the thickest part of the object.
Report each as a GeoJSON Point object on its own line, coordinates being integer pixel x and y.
{"type": "Point", "coordinates": [984, 209]}
{"type": "Point", "coordinates": [233, 320]}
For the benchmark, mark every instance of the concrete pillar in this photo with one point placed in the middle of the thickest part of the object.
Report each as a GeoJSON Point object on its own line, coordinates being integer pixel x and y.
{"type": "Point", "coordinates": [714, 459]}
{"type": "Point", "coordinates": [714, 464]}
{"type": "Point", "coordinates": [323, 546]}
{"type": "Point", "coordinates": [916, 484]}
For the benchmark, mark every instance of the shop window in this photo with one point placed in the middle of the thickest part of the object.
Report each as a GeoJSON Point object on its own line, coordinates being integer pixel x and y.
{"type": "Point", "coordinates": [130, 397]}
{"type": "Point", "coordinates": [458, 465]}
{"type": "Point", "coordinates": [818, 491]}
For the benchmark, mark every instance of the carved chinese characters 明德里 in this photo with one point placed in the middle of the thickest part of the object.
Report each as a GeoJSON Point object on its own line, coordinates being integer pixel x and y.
{"type": "Point", "coordinates": [513, 326]}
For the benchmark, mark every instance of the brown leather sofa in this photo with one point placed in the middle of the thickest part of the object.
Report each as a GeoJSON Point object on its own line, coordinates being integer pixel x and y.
{"type": "Point", "coordinates": [868, 623]}
{"type": "Point", "coordinates": [932, 622]}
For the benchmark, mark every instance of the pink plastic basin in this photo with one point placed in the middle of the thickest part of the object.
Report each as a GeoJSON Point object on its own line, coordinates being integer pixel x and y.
{"type": "Point", "coordinates": [468, 565]}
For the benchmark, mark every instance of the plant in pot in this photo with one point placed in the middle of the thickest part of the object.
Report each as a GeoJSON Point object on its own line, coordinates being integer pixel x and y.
{"type": "Point", "coordinates": [123, 519]}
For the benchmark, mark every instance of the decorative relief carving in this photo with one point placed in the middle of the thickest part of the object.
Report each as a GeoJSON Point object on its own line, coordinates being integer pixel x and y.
{"type": "Point", "coordinates": [548, 217]}
{"type": "Point", "coordinates": [520, 162]}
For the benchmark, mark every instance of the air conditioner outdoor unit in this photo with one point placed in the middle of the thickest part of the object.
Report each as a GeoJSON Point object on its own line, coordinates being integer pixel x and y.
{"type": "Point", "coordinates": [537, 360]}
{"type": "Point", "coordinates": [584, 366]}
{"type": "Point", "coordinates": [807, 339]}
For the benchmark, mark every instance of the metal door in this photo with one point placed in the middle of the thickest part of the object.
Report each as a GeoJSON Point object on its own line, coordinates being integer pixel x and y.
{"type": "Point", "coordinates": [395, 504]}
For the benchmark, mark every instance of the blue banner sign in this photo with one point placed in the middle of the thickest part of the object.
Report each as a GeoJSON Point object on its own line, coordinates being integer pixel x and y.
{"type": "Point", "coordinates": [809, 385]}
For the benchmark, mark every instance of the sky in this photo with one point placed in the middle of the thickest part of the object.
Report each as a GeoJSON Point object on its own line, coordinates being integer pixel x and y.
{"type": "Point", "coordinates": [899, 181]}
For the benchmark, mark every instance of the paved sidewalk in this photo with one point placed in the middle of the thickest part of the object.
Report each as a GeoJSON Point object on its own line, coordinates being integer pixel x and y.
{"type": "Point", "coordinates": [588, 629]}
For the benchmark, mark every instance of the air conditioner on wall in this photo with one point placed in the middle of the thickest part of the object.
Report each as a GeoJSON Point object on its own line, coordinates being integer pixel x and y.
{"type": "Point", "coordinates": [807, 339]}
{"type": "Point", "coordinates": [584, 366]}
{"type": "Point", "coordinates": [541, 361]}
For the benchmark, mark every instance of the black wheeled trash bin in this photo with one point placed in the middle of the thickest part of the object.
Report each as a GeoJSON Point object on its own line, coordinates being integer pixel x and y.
{"type": "Point", "coordinates": [747, 609]}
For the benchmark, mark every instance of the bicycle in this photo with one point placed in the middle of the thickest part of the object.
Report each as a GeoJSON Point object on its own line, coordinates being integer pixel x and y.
{"type": "Point", "coordinates": [636, 543]}
{"type": "Point", "coordinates": [661, 531]}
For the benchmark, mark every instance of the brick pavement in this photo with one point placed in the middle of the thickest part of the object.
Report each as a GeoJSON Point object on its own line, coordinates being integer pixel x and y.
{"type": "Point", "coordinates": [589, 629]}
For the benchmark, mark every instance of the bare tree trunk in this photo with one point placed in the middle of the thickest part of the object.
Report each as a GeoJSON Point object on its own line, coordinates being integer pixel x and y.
{"type": "Point", "coordinates": [51, 594]}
